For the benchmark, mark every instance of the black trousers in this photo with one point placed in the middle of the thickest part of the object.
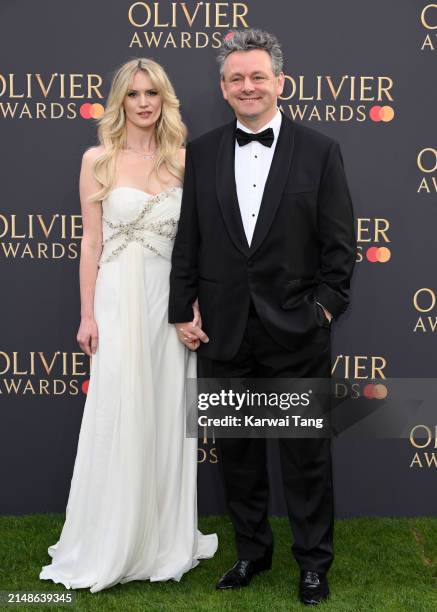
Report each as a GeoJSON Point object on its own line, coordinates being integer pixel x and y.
{"type": "Point", "coordinates": [305, 462]}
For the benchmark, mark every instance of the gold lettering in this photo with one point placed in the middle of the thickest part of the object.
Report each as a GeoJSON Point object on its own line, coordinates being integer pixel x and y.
{"type": "Point", "coordinates": [41, 110]}
{"type": "Point", "coordinates": [360, 364]}
{"type": "Point", "coordinates": [94, 82]}
{"type": "Point", "coordinates": [77, 363]}
{"type": "Point", "coordinates": [29, 388]}
{"type": "Point", "coordinates": [335, 92]}
{"type": "Point", "coordinates": [7, 361]}
{"type": "Point", "coordinates": [3, 85]}
{"type": "Point", "coordinates": [301, 90]}
{"type": "Point", "coordinates": [385, 89]}
{"type": "Point", "coordinates": [62, 86]}
{"type": "Point", "coordinates": [45, 90]}
{"type": "Point", "coordinates": [46, 231]}
{"type": "Point", "coordinates": [27, 251]}
{"type": "Point", "coordinates": [428, 436]}
{"type": "Point", "coordinates": [219, 14]}
{"type": "Point", "coordinates": [43, 387]}
{"type": "Point", "coordinates": [424, 186]}
{"type": "Point", "coordinates": [76, 225]}
{"type": "Point", "coordinates": [74, 85]}
{"type": "Point", "coordinates": [143, 6]}
{"type": "Point", "coordinates": [239, 16]}
{"type": "Point", "coordinates": [427, 43]}
{"type": "Point", "coordinates": [15, 369]}
{"type": "Point", "coordinates": [42, 250]}
{"type": "Point", "coordinates": [418, 293]}
{"type": "Point", "coordinates": [424, 17]}
{"type": "Point", "coordinates": [170, 41]}
{"type": "Point", "coordinates": [416, 461]}
{"type": "Point", "coordinates": [4, 220]}
{"type": "Point", "coordinates": [13, 228]}
{"type": "Point", "coordinates": [208, 14]}
{"type": "Point", "coordinates": [48, 367]}
{"type": "Point", "coordinates": [135, 41]}
{"type": "Point", "coordinates": [11, 88]}
{"type": "Point", "coordinates": [190, 19]}
{"type": "Point", "coordinates": [420, 163]}
{"type": "Point", "coordinates": [431, 459]}
{"type": "Point", "coordinates": [156, 23]}
{"type": "Point", "coordinates": [62, 384]}
{"type": "Point", "coordinates": [185, 40]}
{"type": "Point", "coordinates": [381, 227]}
{"type": "Point", "coordinates": [199, 36]}
{"type": "Point", "coordinates": [352, 88]}
{"type": "Point", "coordinates": [364, 88]}
{"type": "Point", "coordinates": [213, 455]}
{"type": "Point", "coordinates": [378, 364]}
{"type": "Point", "coordinates": [361, 230]}
{"type": "Point", "coordinates": [289, 79]}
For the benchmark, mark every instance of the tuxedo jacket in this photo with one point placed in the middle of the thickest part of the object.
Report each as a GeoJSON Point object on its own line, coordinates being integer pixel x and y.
{"type": "Point", "coordinates": [302, 251]}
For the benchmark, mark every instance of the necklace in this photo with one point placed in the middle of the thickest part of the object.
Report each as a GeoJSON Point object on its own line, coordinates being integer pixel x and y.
{"type": "Point", "coordinates": [150, 155]}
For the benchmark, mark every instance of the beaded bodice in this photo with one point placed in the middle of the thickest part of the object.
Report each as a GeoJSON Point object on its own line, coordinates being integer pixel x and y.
{"type": "Point", "coordinates": [131, 215]}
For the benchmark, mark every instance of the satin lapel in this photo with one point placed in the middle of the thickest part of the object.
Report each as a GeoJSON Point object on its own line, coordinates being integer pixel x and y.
{"type": "Point", "coordinates": [227, 190]}
{"type": "Point", "coordinates": [275, 184]}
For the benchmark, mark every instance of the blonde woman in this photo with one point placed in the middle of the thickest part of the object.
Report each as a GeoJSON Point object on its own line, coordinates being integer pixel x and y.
{"type": "Point", "coordinates": [132, 508]}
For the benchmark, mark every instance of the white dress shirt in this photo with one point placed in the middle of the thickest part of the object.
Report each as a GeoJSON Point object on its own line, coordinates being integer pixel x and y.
{"type": "Point", "coordinates": [252, 167]}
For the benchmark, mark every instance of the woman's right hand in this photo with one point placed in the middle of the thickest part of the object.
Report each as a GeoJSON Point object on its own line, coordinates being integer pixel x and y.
{"type": "Point", "coordinates": [88, 336]}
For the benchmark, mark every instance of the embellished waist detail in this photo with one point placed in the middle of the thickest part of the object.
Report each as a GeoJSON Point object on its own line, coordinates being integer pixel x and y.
{"type": "Point", "coordinates": [153, 234]}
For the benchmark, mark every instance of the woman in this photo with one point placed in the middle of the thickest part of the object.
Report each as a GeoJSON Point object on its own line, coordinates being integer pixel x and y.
{"type": "Point", "coordinates": [132, 509]}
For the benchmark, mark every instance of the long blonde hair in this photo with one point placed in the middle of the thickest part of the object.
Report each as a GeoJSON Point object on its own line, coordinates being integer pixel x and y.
{"type": "Point", "coordinates": [170, 132]}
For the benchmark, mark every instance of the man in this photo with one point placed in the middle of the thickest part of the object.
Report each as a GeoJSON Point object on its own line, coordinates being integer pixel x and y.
{"type": "Point", "coordinates": [266, 245]}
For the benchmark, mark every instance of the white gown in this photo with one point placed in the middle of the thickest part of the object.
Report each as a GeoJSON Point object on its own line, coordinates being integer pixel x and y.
{"type": "Point", "coordinates": [132, 508]}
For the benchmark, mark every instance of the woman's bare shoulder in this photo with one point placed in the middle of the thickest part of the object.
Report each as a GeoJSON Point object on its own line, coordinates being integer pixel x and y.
{"type": "Point", "coordinates": [93, 153]}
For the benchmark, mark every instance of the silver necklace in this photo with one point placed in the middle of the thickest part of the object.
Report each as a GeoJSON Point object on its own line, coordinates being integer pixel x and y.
{"type": "Point", "coordinates": [150, 155]}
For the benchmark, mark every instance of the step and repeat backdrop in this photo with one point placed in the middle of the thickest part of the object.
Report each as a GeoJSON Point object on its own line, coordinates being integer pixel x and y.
{"type": "Point", "coordinates": [362, 73]}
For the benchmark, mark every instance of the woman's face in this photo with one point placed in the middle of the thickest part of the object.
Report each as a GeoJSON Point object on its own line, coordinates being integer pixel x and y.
{"type": "Point", "coordinates": [142, 103]}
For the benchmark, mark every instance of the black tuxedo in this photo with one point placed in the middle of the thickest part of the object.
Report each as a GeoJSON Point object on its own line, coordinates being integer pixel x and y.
{"type": "Point", "coordinates": [258, 307]}
{"type": "Point", "coordinates": [303, 248]}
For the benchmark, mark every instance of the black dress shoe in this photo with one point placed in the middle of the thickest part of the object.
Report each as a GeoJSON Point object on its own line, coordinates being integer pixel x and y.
{"type": "Point", "coordinates": [313, 587]}
{"type": "Point", "coordinates": [241, 573]}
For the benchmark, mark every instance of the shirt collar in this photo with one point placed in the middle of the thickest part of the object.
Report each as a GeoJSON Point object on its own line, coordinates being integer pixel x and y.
{"type": "Point", "coordinates": [274, 123]}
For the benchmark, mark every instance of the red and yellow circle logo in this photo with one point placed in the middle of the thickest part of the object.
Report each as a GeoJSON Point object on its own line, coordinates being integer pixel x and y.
{"type": "Point", "coordinates": [91, 111]}
{"type": "Point", "coordinates": [372, 391]}
{"type": "Point", "coordinates": [378, 254]}
{"type": "Point", "coordinates": [381, 113]}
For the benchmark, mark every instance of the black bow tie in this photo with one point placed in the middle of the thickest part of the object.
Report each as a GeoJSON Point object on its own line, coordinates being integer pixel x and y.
{"type": "Point", "coordinates": [265, 137]}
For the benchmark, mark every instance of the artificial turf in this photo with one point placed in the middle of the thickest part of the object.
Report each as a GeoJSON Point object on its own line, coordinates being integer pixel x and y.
{"type": "Point", "coordinates": [381, 564]}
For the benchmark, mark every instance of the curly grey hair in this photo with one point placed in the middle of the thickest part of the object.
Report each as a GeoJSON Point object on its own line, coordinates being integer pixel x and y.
{"type": "Point", "coordinates": [246, 40]}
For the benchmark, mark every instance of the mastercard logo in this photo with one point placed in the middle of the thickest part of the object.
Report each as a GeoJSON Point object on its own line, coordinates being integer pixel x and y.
{"type": "Point", "coordinates": [91, 111]}
{"type": "Point", "coordinates": [372, 391]}
{"type": "Point", "coordinates": [85, 386]}
{"type": "Point", "coordinates": [381, 113]}
{"type": "Point", "coordinates": [378, 254]}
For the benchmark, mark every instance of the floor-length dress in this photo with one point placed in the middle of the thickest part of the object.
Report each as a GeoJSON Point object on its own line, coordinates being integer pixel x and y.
{"type": "Point", "coordinates": [132, 508]}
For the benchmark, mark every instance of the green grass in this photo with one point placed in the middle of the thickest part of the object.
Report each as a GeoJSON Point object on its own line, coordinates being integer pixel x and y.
{"type": "Point", "coordinates": [386, 565]}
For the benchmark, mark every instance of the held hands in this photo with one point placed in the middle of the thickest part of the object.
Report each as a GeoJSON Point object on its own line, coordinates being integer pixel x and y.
{"type": "Point", "coordinates": [191, 334]}
{"type": "Point", "coordinates": [87, 336]}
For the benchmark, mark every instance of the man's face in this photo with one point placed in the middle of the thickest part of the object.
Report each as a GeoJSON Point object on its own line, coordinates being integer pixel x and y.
{"type": "Point", "coordinates": [249, 85]}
